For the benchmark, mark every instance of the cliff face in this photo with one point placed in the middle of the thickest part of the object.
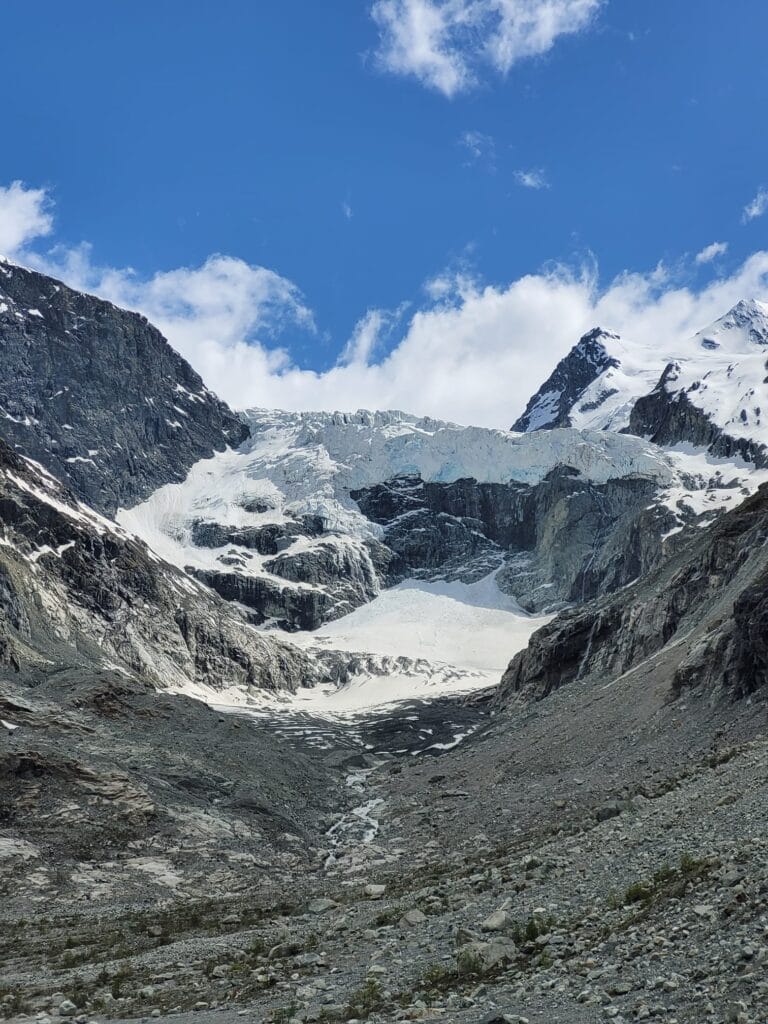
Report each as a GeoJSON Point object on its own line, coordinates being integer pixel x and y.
{"type": "Point", "coordinates": [98, 396]}
{"type": "Point", "coordinates": [561, 540]}
{"type": "Point", "coordinates": [704, 610]}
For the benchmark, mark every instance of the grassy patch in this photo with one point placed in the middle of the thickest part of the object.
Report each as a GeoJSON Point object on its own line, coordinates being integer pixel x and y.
{"type": "Point", "coordinates": [366, 1000]}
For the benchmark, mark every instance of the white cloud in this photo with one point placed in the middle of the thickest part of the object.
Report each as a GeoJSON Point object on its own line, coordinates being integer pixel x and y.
{"type": "Point", "coordinates": [347, 210]}
{"type": "Point", "coordinates": [24, 216]}
{"type": "Point", "coordinates": [532, 179]}
{"type": "Point", "coordinates": [757, 207]}
{"type": "Point", "coordinates": [365, 339]}
{"type": "Point", "coordinates": [474, 354]}
{"type": "Point", "coordinates": [480, 148]}
{"type": "Point", "coordinates": [446, 44]}
{"type": "Point", "coordinates": [711, 252]}
{"type": "Point", "coordinates": [224, 317]}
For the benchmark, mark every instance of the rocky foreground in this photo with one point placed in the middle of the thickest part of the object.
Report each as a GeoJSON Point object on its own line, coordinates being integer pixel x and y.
{"type": "Point", "coordinates": [529, 873]}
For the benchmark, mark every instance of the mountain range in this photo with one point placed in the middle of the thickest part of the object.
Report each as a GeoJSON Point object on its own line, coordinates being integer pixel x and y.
{"type": "Point", "coordinates": [234, 647]}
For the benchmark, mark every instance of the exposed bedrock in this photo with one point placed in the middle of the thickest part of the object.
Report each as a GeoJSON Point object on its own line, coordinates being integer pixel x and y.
{"type": "Point", "coordinates": [668, 417]}
{"type": "Point", "coordinates": [562, 540]}
{"type": "Point", "coordinates": [78, 595]}
{"type": "Point", "coordinates": [705, 610]}
{"type": "Point", "coordinates": [98, 396]}
{"type": "Point", "coordinates": [269, 539]}
{"type": "Point", "coordinates": [323, 582]}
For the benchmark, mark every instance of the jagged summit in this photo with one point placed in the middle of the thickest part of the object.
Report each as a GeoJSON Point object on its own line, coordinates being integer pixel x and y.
{"type": "Point", "coordinates": [742, 327]}
{"type": "Point", "coordinates": [554, 404]}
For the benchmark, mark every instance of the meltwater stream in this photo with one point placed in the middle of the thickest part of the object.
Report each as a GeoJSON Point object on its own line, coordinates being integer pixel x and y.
{"type": "Point", "coordinates": [358, 825]}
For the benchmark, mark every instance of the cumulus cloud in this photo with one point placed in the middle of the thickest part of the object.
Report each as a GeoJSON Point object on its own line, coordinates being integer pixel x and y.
{"type": "Point", "coordinates": [532, 179]}
{"type": "Point", "coordinates": [447, 44]}
{"type": "Point", "coordinates": [711, 252]}
{"type": "Point", "coordinates": [474, 353]}
{"type": "Point", "coordinates": [757, 207]}
{"type": "Point", "coordinates": [24, 215]}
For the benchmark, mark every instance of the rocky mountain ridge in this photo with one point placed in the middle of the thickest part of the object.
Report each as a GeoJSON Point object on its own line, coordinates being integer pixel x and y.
{"type": "Point", "coordinates": [98, 396]}
{"type": "Point", "coordinates": [704, 608]}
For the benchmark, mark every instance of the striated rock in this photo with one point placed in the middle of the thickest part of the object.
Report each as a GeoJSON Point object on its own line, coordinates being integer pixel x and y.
{"type": "Point", "coordinates": [564, 539]}
{"type": "Point", "coordinates": [79, 593]}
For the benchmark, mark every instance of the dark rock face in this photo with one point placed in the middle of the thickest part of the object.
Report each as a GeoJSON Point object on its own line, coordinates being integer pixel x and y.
{"type": "Point", "coordinates": [78, 595]}
{"type": "Point", "coordinates": [267, 540]}
{"type": "Point", "coordinates": [704, 609]}
{"type": "Point", "coordinates": [328, 581]}
{"type": "Point", "coordinates": [98, 396]}
{"type": "Point", "coordinates": [551, 406]}
{"type": "Point", "coordinates": [667, 416]}
{"type": "Point", "coordinates": [563, 540]}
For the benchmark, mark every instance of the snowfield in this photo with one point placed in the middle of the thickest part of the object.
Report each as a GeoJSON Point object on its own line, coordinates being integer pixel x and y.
{"type": "Point", "coordinates": [462, 637]}
{"type": "Point", "coordinates": [473, 625]}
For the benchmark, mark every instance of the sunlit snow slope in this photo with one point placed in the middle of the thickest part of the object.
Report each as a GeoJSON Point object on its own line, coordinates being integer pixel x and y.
{"type": "Point", "coordinates": [720, 371]}
{"type": "Point", "coordinates": [457, 637]}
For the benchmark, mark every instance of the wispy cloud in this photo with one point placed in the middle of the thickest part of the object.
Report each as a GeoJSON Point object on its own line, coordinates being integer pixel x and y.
{"type": "Point", "coordinates": [480, 148]}
{"type": "Point", "coordinates": [365, 338]}
{"type": "Point", "coordinates": [346, 209]}
{"type": "Point", "coordinates": [711, 252]}
{"type": "Point", "coordinates": [757, 207]}
{"type": "Point", "coordinates": [448, 44]}
{"type": "Point", "coordinates": [535, 178]}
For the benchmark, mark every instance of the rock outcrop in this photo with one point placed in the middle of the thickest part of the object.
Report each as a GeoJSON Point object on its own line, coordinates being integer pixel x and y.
{"type": "Point", "coordinates": [563, 540]}
{"type": "Point", "coordinates": [98, 396]}
{"type": "Point", "coordinates": [668, 416]}
{"type": "Point", "coordinates": [703, 611]}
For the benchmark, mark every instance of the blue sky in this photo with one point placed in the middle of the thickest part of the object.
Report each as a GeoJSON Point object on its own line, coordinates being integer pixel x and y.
{"type": "Point", "coordinates": [286, 135]}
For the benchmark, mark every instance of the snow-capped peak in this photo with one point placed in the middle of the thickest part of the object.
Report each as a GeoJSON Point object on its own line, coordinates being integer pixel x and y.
{"type": "Point", "coordinates": [593, 387]}
{"type": "Point", "coordinates": [739, 331]}
{"type": "Point", "coordinates": [553, 403]}
{"type": "Point", "coordinates": [720, 372]}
